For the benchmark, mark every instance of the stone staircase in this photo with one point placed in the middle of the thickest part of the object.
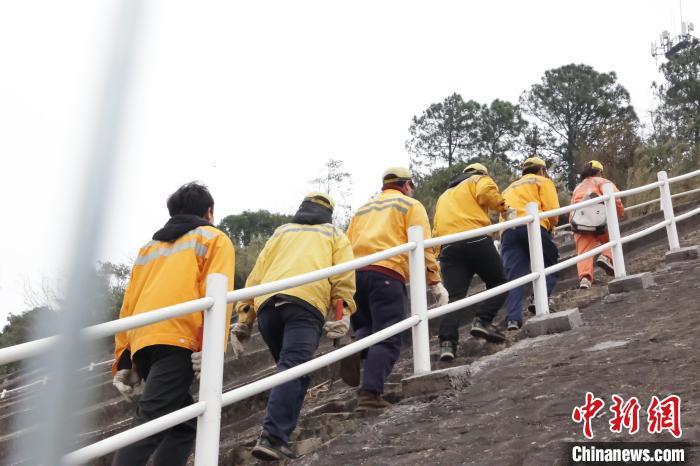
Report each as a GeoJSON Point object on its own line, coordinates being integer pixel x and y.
{"type": "Point", "coordinates": [328, 410]}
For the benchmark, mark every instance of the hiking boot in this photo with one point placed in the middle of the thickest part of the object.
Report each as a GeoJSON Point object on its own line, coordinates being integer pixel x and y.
{"type": "Point", "coordinates": [447, 351]}
{"type": "Point", "coordinates": [585, 283]}
{"type": "Point", "coordinates": [269, 448]}
{"type": "Point", "coordinates": [606, 264]}
{"type": "Point", "coordinates": [532, 309]}
{"type": "Point", "coordinates": [487, 331]}
{"type": "Point", "coordinates": [513, 325]}
{"type": "Point", "coordinates": [370, 401]}
{"type": "Point", "coordinates": [350, 369]}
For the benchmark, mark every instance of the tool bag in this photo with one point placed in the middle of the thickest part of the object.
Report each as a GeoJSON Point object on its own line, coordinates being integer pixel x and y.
{"type": "Point", "coordinates": [589, 219]}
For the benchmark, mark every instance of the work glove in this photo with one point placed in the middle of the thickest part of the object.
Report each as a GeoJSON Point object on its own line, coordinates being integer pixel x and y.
{"type": "Point", "coordinates": [241, 331]}
{"type": "Point", "coordinates": [440, 294]}
{"type": "Point", "coordinates": [196, 363]}
{"type": "Point", "coordinates": [337, 328]}
{"type": "Point", "coordinates": [236, 345]}
{"type": "Point", "coordinates": [124, 381]}
{"type": "Point", "coordinates": [510, 214]}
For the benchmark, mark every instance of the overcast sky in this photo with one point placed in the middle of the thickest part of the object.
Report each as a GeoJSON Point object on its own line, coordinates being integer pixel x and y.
{"type": "Point", "coordinates": [253, 97]}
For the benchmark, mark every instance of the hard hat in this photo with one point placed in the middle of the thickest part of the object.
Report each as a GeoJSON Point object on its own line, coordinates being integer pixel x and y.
{"type": "Point", "coordinates": [595, 164]}
{"type": "Point", "coordinates": [396, 174]}
{"type": "Point", "coordinates": [534, 162]}
{"type": "Point", "coordinates": [322, 199]}
{"type": "Point", "coordinates": [476, 167]}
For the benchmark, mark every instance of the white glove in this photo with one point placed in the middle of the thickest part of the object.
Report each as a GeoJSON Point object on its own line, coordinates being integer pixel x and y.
{"type": "Point", "coordinates": [337, 328]}
{"type": "Point", "coordinates": [124, 381]}
{"type": "Point", "coordinates": [510, 214]}
{"type": "Point", "coordinates": [196, 363]}
{"type": "Point", "coordinates": [236, 345]}
{"type": "Point", "coordinates": [440, 294]}
{"type": "Point", "coordinates": [242, 331]}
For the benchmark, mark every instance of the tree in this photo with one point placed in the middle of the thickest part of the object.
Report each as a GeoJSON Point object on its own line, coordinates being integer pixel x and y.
{"type": "Point", "coordinates": [243, 227]}
{"type": "Point", "coordinates": [680, 95]}
{"type": "Point", "coordinates": [500, 126]}
{"type": "Point", "coordinates": [336, 181]}
{"type": "Point", "coordinates": [445, 133]}
{"type": "Point", "coordinates": [572, 104]}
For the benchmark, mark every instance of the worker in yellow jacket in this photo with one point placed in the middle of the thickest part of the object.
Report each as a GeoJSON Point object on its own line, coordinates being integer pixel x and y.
{"type": "Point", "coordinates": [170, 269]}
{"type": "Point", "coordinates": [533, 186]}
{"type": "Point", "coordinates": [291, 321]}
{"type": "Point", "coordinates": [380, 224]}
{"type": "Point", "coordinates": [464, 206]}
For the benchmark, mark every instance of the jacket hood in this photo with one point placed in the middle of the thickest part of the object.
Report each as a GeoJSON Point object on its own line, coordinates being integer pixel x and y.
{"type": "Point", "coordinates": [310, 213]}
{"type": "Point", "coordinates": [179, 225]}
{"type": "Point", "coordinates": [459, 178]}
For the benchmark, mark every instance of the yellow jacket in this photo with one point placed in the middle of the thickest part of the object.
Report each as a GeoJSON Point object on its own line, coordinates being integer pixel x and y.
{"type": "Point", "coordinates": [383, 223]}
{"type": "Point", "coordinates": [295, 249]}
{"type": "Point", "coordinates": [465, 206]}
{"type": "Point", "coordinates": [167, 273]}
{"type": "Point", "coordinates": [533, 188]}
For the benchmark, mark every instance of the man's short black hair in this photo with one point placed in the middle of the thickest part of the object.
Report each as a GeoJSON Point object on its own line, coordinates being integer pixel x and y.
{"type": "Point", "coordinates": [589, 171]}
{"type": "Point", "coordinates": [192, 198]}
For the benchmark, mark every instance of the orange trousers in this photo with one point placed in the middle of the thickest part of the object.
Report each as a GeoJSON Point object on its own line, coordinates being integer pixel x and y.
{"type": "Point", "coordinates": [584, 243]}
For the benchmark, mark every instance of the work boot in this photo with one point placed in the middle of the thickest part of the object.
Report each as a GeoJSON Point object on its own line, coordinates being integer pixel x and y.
{"type": "Point", "coordinates": [269, 448]}
{"type": "Point", "coordinates": [532, 309]}
{"type": "Point", "coordinates": [606, 264]}
{"type": "Point", "coordinates": [585, 283]}
{"type": "Point", "coordinates": [487, 331]}
{"type": "Point", "coordinates": [514, 325]}
{"type": "Point", "coordinates": [370, 401]}
{"type": "Point", "coordinates": [448, 351]}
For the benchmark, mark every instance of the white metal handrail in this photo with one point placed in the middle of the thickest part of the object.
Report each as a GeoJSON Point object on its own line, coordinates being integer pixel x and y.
{"type": "Point", "coordinates": [208, 409]}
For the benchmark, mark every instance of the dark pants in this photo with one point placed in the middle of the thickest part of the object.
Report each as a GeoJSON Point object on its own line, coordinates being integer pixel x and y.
{"type": "Point", "coordinates": [381, 302]}
{"type": "Point", "coordinates": [167, 371]}
{"type": "Point", "coordinates": [292, 333]}
{"type": "Point", "coordinates": [458, 264]}
{"type": "Point", "coordinates": [516, 260]}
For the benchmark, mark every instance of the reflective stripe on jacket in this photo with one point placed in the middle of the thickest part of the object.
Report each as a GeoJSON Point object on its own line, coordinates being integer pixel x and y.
{"type": "Point", "coordinates": [168, 273]}
{"type": "Point", "coordinates": [295, 249]}
{"type": "Point", "coordinates": [594, 184]}
{"type": "Point", "coordinates": [383, 223]}
{"type": "Point", "coordinates": [533, 188]}
{"type": "Point", "coordinates": [466, 206]}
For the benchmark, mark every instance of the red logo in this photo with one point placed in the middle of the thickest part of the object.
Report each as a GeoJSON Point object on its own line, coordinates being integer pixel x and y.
{"type": "Point", "coordinates": [665, 415]}
{"type": "Point", "coordinates": [587, 412]}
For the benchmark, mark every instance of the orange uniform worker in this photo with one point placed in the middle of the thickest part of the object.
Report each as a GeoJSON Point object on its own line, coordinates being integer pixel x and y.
{"type": "Point", "coordinates": [591, 184]}
{"type": "Point", "coordinates": [169, 270]}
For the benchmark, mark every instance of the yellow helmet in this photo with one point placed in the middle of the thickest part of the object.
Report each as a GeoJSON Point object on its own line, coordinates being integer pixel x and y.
{"type": "Point", "coordinates": [595, 164]}
{"type": "Point", "coordinates": [322, 199]}
{"type": "Point", "coordinates": [396, 174]}
{"type": "Point", "coordinates": [534, 162]}
{"type": "Point", "coordinates": [476, 167]}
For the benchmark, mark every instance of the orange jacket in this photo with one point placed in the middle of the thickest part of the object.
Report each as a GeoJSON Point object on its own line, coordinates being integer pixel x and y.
{"type": "Point", "coordinates": [594, 184]}
{"type": "Point", "coordinates": [383, 223]}
{"type": "Point", "coordinates": [167, 273]}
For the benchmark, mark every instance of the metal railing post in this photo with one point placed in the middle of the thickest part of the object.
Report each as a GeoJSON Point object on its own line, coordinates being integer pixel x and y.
{"type": "Point", "coordinates": [211, 377]}
{"type": "Point", "coordinates": [614, 231]}
{"type": "Point", "coordinates": [419, 302]}
{"type": "Point", "coordinates": [534, 236]}
{"type": "Point", "coordinates": [667, 207]}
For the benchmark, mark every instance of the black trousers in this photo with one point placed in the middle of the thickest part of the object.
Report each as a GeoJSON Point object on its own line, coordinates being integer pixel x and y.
{"type": "Point", "coordinates": [458, 263]}
{"type": "Point", "coordinates": [381, 302]}
{"type": "Point", "coordinates": [292, 333]}
{"type": "Point", "coordinates": [168, 373]}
